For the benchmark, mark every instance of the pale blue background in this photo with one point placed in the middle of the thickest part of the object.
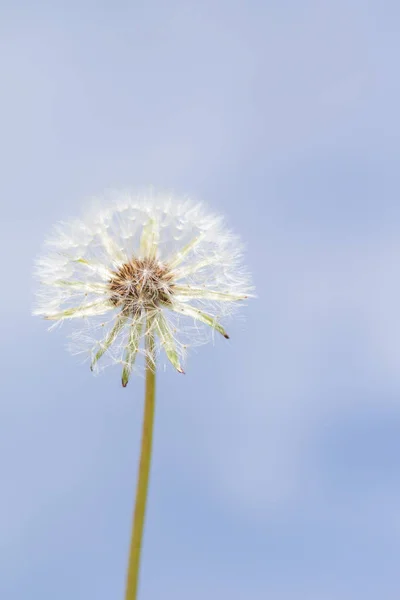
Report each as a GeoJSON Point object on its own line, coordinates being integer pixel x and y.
{"type": "Point", "coordinates": [277, 457]}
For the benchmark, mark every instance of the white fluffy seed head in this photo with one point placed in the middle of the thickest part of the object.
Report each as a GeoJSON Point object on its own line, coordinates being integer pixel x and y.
{"type": "Point", "coordinates": [136, 265]}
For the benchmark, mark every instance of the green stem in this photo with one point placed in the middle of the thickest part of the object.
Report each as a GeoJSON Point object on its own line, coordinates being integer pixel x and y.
{"type": "Point", "coordinates": [143, 476]}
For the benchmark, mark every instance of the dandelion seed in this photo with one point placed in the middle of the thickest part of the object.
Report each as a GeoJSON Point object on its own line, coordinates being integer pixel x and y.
{"type": "Point", "coordinates": [141, 259]}
{"type": "Point", "coordinates": [163, 271]}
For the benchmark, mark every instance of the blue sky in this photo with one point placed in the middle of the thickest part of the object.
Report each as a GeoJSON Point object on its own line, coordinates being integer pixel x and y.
{"type": "Point", "coordinates": [276, 470]}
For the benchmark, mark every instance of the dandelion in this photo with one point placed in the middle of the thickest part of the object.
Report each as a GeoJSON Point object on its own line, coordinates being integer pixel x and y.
{"type": "Point", "coordinates": [142, 274]}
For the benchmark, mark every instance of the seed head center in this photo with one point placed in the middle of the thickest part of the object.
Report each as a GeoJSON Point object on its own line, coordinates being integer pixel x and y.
{"type": "Point", "coordinates": [140, 284]}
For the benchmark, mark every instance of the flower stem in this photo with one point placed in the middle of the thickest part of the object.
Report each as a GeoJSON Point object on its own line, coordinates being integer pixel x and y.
{"type": "Point", "coordinates": [143, 476]}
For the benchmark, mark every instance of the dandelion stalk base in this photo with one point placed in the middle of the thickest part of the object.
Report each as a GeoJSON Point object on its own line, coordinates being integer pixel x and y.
{"type": "Point", "coordinates": [143, 476]}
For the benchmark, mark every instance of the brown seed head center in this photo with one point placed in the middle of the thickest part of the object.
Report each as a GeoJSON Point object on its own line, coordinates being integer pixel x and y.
{"type": "Point", "coordinates": [141, 284]}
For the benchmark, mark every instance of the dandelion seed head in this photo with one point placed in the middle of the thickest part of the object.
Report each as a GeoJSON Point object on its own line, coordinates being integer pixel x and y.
{"type": "Point", "coordinates": [140, 264]}
{"type": "Point", "coordinates": [141, 284]}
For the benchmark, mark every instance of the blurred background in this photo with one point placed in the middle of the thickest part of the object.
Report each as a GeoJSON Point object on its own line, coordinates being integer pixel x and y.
{"type": "Point", "coordinates": [276, 468]}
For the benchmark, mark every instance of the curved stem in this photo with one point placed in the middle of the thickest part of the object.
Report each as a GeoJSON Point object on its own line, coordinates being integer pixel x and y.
{"type": "Point", "coordinates": [143, 476]}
